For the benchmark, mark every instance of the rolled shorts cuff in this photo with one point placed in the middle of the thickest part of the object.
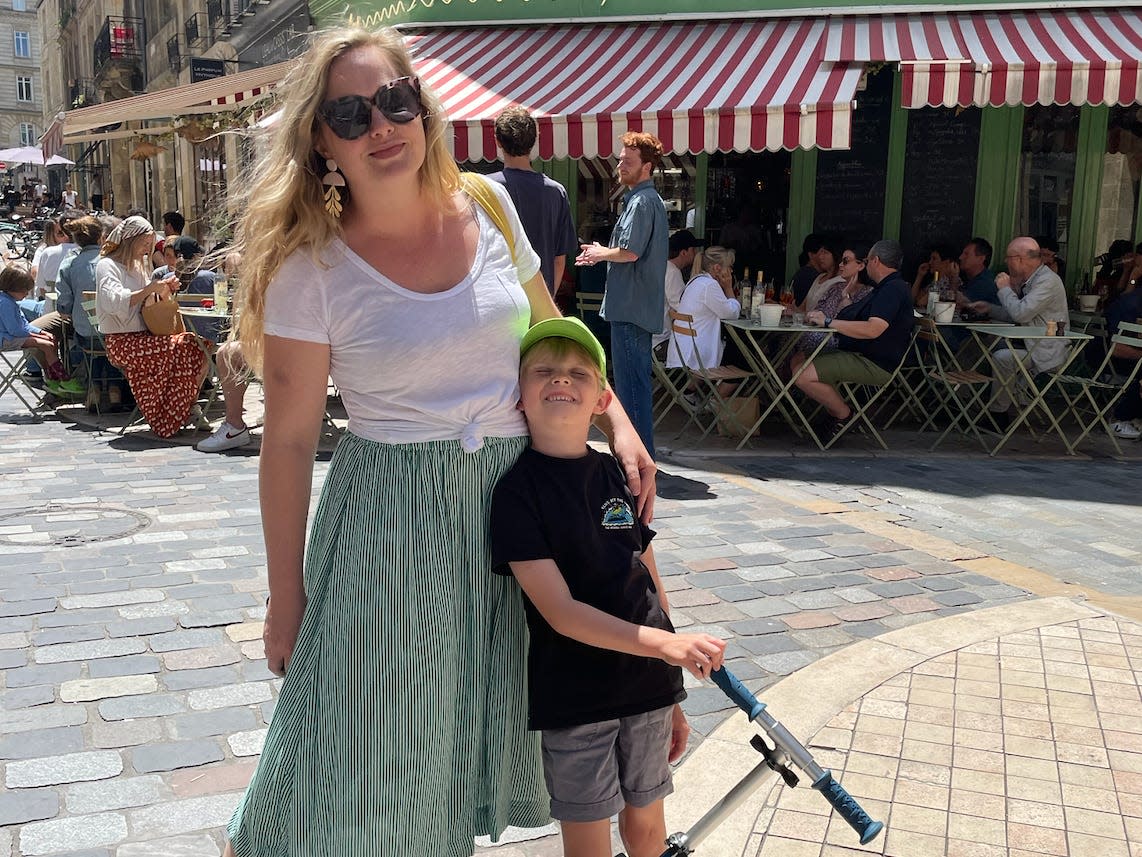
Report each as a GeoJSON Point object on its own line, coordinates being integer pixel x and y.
{"type": "Point", "coordinates": [564, 811]}
{"type": "Point", "coordinates": [646, 798]}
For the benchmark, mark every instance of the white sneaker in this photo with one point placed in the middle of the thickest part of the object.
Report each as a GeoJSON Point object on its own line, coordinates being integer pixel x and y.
{"type": "Point", "coordinates": [1126, 430]}
{"type": "Point", "coordinates": [226, 437]}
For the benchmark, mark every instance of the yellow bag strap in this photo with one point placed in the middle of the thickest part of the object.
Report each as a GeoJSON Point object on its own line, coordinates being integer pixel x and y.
{"type": "Point", "coordinates": [480, 189]}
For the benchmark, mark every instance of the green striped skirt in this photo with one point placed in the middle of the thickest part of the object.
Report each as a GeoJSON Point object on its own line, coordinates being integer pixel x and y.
{"type": "Point", "coordinates": [401, 728]}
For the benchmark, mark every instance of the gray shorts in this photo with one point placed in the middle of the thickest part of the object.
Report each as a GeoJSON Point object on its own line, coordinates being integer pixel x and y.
{"type": "Point", "coordinates": [593, 771]}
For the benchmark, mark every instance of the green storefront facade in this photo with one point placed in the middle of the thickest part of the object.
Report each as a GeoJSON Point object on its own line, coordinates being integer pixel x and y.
{"type": "Point", "coordinates": [971, 118]}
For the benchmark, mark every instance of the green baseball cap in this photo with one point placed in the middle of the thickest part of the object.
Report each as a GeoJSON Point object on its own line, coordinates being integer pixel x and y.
{"type": "Point", "coordinates": [567, 328]}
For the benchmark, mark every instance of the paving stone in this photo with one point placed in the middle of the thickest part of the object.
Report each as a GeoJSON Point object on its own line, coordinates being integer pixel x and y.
{"type": "Point", "coordinates": [82, 798]}
{"type": "Point", "coordinates": [218, 619]}
{"type": "Point", "coordinates": [757, 627]}
{"type": "Point", "coordinates": [71, 768]}
{"type": "Point", "coordinates": [27, 720]}
{"type": "Point", "coordinates": [132, 707]}
{"type": "Point", "coordinates": [182, 816]}
{"type": "Point", "coordinates": [66, 834]}
{"type": "Point", "coordinates": [12, 658]}
{"type": "Point", "coordinates": [127, 665]}
{"type": "Point", "coordinates": [42, 742]}
{"type": "Point", "coordinates": [688, 597]}
{"type": "Point", "coordinates": [18, 807]}
{"type": "Point", "coordinates": [68, 634]}
{"type": "Point", "coordinates": [141, 627]}
{"type": "Point", "coordinates": [864, 630]}
{"type": "Point", "coordinates": [176, 640]}
{"type": "Point", "coordinates": [940, 584]}
{"type": "Point", "coordinates": [125, 733]}
{"type": "Point", "coordinates": [894, 590]}
{"type": "Point", "coordinates": [257, 671]}
{"type": "Point", "coordinates": [88, 651]}
{"type": "Point", "coordinates": [191, 679]}
{"type": "Point", "coordinates": [892, 573]}
{"type": "Point", "coordinates": [956, 599]}
{"type": "Point", "coordinates": [715, 613]}
{"type": "Point", "coordinates": [704, 700]}
{"type": "Point", "coordinates": [112, 599]}
{"type": "Point", "coordinates": [761, 608]}
{"type": "Point", "coordinates": [205, 724]}
{"type": "Point", "coordinates": [856, 595]}
{"type": "Point", "coordinates": [200, 845]}
{"type": "Point", "coordinates": [247, 743]}
{"type": "Point", "coordinates": [822, 638]}
{"type": "Point", "coordinates": [145, 611]}
{"type": "Point", "coordinates": [66, 618]}
{"type": "Point", "coordinates": [735, 593]}
{"type": "Point", "coordinates": [803, 621]}
{"type": "Point", "coordinates": [768, 644]}
{"type": "Point", "coordinates": [26, 697]}
{"type": "Point", "coordinates": [862, 612]}
{"type": "Point", "coordinates": [27, 608]}
{"type": "Point", "coordinates": [818, 600]}
{"type": "Point", "coordinates": [713, 579]}
{"type": "Point", "coordinates": [784, 663]}
{"type": "Point", "coordinates": [169, 757]}
{"type": "Point", "coordinates": [199, 658]}
{"type": "Point", "coordinates": [89, 689]}
{"type": "Point", "coordinates": [913, 604]}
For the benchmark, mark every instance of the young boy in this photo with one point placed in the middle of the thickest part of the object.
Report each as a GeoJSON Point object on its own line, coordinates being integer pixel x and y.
{"type": "Point", "coordinates": [17, 332]}
{"type": "Point", "coordinates": [603, 667]}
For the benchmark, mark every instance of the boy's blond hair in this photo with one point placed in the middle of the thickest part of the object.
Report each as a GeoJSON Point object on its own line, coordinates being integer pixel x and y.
{"type": "Point", "coordinates": [560, 346]}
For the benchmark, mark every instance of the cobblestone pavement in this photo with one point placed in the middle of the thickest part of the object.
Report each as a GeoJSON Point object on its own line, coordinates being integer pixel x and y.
{"type": "Point", "coordinates": [135, 696]}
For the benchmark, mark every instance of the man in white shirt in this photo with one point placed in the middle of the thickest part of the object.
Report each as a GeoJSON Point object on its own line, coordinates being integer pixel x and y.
{"type": "Point", "coordinates": [683, 248]}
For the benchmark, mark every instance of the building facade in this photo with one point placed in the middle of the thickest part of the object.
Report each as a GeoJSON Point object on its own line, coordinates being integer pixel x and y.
{"type": "Point", "coordinates": [21, 82]}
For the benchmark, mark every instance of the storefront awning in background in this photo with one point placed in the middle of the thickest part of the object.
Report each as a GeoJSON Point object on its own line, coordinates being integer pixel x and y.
{"type": "Point", "coordinates": [719, 86]}
{"type": "Point", "coordinates": [208, 96]}
{"type": "Point", "coordinates": [1078, 56]}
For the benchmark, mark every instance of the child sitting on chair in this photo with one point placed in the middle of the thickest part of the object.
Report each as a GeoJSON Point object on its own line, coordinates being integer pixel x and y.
{"type": "Point", "coordinates": [17, 332]}
{"type": "Point", "coordinates": [603, 677]}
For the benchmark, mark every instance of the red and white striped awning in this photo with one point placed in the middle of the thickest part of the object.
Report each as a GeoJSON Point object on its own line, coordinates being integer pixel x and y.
{"type": "Point", "coordinates": [1078, 56]}
{"type": "Point", "coordinates": [718, 86]}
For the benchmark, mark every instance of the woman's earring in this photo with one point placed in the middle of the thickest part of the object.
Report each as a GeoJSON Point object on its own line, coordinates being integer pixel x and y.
{"type": "Point", "coordinates": [333, 180]}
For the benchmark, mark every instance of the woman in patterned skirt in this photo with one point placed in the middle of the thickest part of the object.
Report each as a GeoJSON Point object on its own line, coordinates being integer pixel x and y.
{"type": "Point", "coordinates": [165, 372]}
{"type": "Point", "coordinates": [401, 724]}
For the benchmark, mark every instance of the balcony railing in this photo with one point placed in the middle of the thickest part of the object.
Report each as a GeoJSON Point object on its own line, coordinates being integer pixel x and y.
{"type": "Point", "coordinates": [218, 18]}
{"type": "Point", "coordinates": [195, 30]}
{"type": "Point", "coordinates": [174, 56]}
{"type": "Point", "coordinates": [120, 42]}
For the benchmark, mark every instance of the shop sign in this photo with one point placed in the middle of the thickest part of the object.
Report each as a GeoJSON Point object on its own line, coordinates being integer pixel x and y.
{"type": "Point", "coordinates": [372, 13]}
{"type": "Point", "coordinates": [205, 69]}
{"type": "Point", "coordinates": [286, 39]}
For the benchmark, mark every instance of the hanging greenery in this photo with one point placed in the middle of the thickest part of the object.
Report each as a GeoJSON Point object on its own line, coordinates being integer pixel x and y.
{"type": "Point", "coordinates": [199, 127]}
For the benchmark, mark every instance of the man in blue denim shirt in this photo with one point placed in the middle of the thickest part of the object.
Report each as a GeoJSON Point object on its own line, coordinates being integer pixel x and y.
{"type": "Point", "coordinates": [634, 300]}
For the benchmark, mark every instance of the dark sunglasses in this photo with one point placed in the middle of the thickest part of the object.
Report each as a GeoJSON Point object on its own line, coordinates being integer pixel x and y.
{"type": "Point", "coordinates": [351, 115]}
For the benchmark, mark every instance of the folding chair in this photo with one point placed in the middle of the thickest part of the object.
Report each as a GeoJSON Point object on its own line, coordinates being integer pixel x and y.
{"type": "Point", "coordinates": [671, 392]}
{"type": "Point", "coordinates": [1089, 400]}
{"type": "Point", "coordinates": [587, 303]}
{"type": "Point", "coordinates": [709, 400]}
{"type": "Point", "coordinates": [12, 365]}
{"type": "Point", "coordinates": [862, 398]}
{"type": "Point", "coordinates": [93, 349]}
{"type": "Point", "coordinates": [136, 416]}
{"type": "Point", "coordinates": [948, 381]}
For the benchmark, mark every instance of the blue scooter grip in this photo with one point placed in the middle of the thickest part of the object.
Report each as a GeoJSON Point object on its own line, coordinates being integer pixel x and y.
{"type": "Point", "coordinates": [849, 809]}
{"type": "Point", "coordinates": [738, 692]}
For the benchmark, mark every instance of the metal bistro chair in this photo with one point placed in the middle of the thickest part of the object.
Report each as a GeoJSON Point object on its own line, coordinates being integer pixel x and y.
{"type": "Point", "coordinates": [12, 378]}
{"type": "Point", "coordinates": [1090, 400]}
{"type": "Point", "coordinates": [708, 401]}
{"type": "Point", "coordinates": [136, 416]}
{"type": "Point", "coordinates": [588, 303]}
{"type": "Point", "coordinates": [92, 350]}
{"type": "Point", "coordinates": [950, 383]}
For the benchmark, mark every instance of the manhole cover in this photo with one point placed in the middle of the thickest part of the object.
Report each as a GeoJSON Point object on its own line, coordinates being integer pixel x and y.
{"type": "Point", "coordinates": [69, 526]}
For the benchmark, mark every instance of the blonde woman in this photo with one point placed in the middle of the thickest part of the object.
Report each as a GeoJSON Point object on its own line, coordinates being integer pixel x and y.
{"type": "Point", "coordinates": [401, 724]}
{"type": "Point", "coordinates": [70, 198]}
{"type": "Point", "coordinates": [164, 372]}
{"type": "Point", "coordinates": [709, 298]}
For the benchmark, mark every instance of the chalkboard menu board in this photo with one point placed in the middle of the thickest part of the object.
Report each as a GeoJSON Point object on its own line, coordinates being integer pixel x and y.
{"type": "Point", "coordinates": [939, 179]}
{"type": "Point", "coordinates": [850, 184]}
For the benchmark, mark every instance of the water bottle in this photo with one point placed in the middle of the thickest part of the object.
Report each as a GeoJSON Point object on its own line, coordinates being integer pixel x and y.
{"type": "Point", "coordinates": [933, 293]}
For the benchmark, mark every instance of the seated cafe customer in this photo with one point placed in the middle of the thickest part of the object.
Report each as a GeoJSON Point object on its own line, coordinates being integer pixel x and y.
{"type": "Point", "coordinates": [873, 335]}
{"type": "Point", "coordinates": [1042, 299]}
{"type": "Point", "coordinates": [708, 298]}
{"type": "Point", "coordinates": [1128, 411]}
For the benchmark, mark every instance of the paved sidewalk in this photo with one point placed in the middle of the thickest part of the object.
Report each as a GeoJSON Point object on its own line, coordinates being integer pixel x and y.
{"type": "Point", "coordinates": [135, 695]}
{"type": "Point", "coordinates": [1010, 733]}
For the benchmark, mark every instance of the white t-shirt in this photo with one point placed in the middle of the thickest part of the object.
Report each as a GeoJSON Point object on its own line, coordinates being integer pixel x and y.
{"type": "Point", "coordinates": [413, 367]}
{"type": "Point", "coordinates": [708, 304]}
{"type": "Point", "coordinates": [114, 286]}
{"type": "Point", "coordinates": [675, 286]}
{"type": "Point", "coordinates": [48, 265]}
{"type": "Point", "coordinates": [70, 197]}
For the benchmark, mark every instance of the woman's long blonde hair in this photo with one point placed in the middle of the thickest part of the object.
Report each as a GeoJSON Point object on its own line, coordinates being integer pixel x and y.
{"type": "Point", "coordinates": [282, 206]}
{"type": "Point", "coordinates": [121, 253]}
{"type": "Point", "coordinates": [710, 257]}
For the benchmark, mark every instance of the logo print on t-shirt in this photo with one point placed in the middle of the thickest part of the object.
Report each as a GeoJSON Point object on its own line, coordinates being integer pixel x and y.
{"type": "Point", "coordinates": [617, 514]}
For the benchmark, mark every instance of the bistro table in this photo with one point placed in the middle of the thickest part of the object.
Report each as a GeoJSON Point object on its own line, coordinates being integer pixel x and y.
{"type": "Point", "coordinates": [1009, 337]}
{"type": "Point", "coordinates": [751, 338]}
{"type": "Point", "coordinates": [209, 345]}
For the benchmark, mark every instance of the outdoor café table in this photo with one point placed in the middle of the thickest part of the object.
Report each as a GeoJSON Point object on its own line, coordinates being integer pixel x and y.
{"type": "Point", "coordinates": [209, 347]}
{"type": "Point", "coordinates": [751, 338]}
{"type": "Point", "coordinates": [1010, 337]}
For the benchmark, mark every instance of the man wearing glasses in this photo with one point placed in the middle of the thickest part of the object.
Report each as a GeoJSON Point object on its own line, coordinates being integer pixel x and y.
{"type": "Point", "coordinates": [1041, 298]}
{"type": "Point", "coordinates": [873, 335]}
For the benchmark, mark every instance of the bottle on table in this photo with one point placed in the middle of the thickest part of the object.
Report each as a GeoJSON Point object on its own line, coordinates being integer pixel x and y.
{"type": "Point", "coordinates": [758, 303]}
{"type": "Point", "coordinates": [769, 291]}
{"type": "Point", "coordinates": [933, 293]}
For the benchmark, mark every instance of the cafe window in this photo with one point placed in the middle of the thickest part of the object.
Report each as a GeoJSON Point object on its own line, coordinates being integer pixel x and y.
{"type": "Point", "coordinates": [747, 205]}
{"type": "Point", "coordinates": [1121, 171]}
{"type": "Point", "coordinates": [601, 193]}
{"type": "Point", "coordinates": [1047, 172]}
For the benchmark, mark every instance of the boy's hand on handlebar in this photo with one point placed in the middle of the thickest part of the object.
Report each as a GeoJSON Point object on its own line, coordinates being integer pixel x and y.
{"type": "Point", "coordinates": [701, 654]}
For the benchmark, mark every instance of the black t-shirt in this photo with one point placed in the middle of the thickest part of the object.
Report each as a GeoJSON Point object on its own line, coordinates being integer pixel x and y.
{"type": "Point", "coordinates": [803, 281]}
{"type": "Point", "coordinates": [890, 300]}
{"type": "Point", "coordinates": [579, 513]}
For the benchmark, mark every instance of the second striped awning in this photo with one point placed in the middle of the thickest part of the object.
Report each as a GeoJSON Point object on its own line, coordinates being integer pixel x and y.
{"type": "Point", "coordinates": [1051, 56]}
{"type": "Point", "coordinates": [720, 86]}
